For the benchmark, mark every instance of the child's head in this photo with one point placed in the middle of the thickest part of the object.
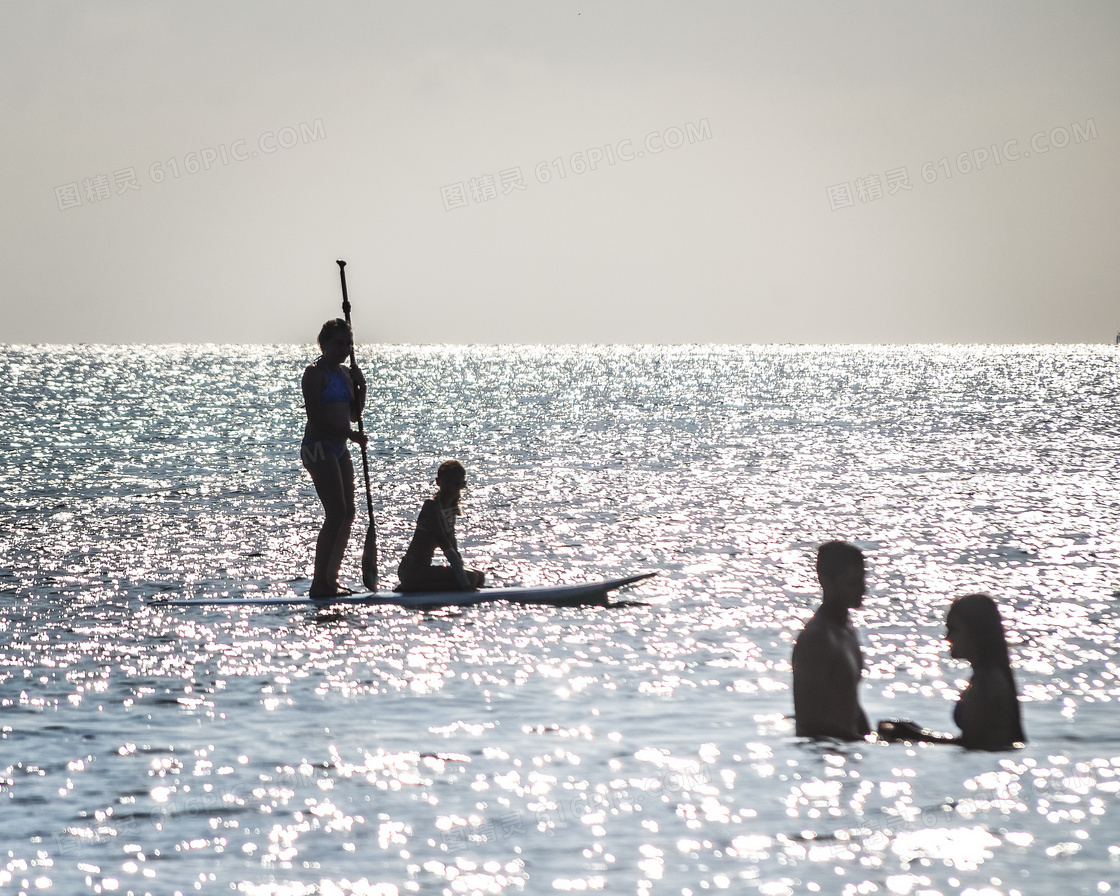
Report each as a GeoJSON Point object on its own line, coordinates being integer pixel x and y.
{"type": "Point", "coordinates": [451, 474]}
{"type": "Point", "coordinates": [451, 477]}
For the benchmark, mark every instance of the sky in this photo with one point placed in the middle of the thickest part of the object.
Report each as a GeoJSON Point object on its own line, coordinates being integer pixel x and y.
{"type": "Point", "coordinates": [560, 172]}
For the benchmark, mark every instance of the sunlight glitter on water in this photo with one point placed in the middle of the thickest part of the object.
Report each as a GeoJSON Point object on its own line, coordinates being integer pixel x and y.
{"type": "Point", "coordinates": [503, 749]}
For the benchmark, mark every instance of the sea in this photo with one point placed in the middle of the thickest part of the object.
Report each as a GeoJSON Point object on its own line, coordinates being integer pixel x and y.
{"type": "Point", "coordinates": [646, 747]}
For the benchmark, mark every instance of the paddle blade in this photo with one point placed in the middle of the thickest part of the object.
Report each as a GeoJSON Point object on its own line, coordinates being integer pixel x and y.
{"type": "Point", "coordinates": [369, 560]}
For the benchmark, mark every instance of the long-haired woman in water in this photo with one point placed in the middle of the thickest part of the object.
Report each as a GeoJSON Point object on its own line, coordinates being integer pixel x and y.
{"type": "Point", "coordinates": [988, 709]}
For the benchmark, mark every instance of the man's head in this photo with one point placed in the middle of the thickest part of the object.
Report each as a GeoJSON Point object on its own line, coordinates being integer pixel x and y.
{"type": "Point", "coordinates": [840, 570]}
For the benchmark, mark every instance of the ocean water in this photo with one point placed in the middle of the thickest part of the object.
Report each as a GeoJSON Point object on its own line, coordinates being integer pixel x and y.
{"type": "Point", "coordinates": [643, 748]}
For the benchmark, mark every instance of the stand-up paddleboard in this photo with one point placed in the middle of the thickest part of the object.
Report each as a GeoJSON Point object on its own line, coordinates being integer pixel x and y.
{"type": "Point", "coordinates": [583, 594]}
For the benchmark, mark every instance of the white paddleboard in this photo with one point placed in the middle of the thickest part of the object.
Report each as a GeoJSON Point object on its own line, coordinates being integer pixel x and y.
{"type": "Point", "coordinates": [554, 595]}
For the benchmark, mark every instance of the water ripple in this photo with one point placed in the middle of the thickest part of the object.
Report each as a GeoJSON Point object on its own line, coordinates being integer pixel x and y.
{"type": "Point", "coordinates": [498, 749]}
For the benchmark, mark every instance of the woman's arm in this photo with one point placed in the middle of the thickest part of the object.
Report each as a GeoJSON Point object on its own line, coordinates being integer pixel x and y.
{"type": "Point", "coordinates": [892, 730]}
{"type": "Point", "coordinates": [358, 386]}
{"type": "Point", "coordinates": [987, 715]}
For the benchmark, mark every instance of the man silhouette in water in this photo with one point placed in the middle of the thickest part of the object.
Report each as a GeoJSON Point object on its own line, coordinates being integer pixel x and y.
{"type": "Point", "coordinates": [827, 661]}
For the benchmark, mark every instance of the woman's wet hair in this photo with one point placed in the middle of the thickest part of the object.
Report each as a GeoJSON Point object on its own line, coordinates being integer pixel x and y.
{"type": "Point", "coordinates": [979, 614]}
{"type": "Point", "coordinates": [331, 327]}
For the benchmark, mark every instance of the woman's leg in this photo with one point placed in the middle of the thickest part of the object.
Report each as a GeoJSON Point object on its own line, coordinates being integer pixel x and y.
{"type": "Point", "coordinates": [427, 578]}
{"type": "Point", "coordinates": [334, 484]}
{"type": "Point", "coordinates": [346, 469]}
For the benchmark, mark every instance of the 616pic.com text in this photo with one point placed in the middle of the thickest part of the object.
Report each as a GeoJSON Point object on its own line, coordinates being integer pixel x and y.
{"type": "Point", "coordinates": [101, 187]}
{"type": "Point", "coordinates": [485, 187]}
{"type": "Point", "coordinates": [871, 187]}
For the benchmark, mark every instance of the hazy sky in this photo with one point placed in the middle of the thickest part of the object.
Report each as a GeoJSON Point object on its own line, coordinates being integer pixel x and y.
{"type": "Point", "coordinates": [742, 172]}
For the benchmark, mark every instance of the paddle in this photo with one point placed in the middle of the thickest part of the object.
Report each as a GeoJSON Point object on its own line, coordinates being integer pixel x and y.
{"type": "Point", "coordinates": [369, 552]}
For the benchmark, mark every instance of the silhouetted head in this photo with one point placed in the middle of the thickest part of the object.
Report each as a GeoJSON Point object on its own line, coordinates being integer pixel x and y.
{"type": "Point", "coordinates": [451, 477]}
{"type": "Point", "coordinates": [974, 630]}
{"type": "Point", "coordinates": [451, 472]}
{"type": "Point", "coordinates": [333, 328]}
{"type": "Point", "coordinates": [840, 569]}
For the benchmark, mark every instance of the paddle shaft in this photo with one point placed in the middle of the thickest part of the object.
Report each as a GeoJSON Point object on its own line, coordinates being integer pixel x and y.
{"type": "Point", "coordinates": [371, 537]}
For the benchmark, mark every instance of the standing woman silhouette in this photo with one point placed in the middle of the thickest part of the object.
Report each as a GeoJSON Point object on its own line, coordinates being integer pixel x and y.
{"type": "Point", "coordinates": [333, 395]}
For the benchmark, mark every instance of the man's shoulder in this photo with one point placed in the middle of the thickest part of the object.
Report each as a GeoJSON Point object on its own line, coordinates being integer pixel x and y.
{"type": "Point", "coordinates": [819, 627]}
{"type": "Point", "coordinates": [824, 635]}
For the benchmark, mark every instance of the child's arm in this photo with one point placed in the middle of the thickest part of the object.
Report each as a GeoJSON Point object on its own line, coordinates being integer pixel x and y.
{"type": "Point", "coordinates": [445, 540]}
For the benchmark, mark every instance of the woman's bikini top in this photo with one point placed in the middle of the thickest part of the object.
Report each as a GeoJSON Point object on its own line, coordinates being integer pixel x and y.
{"type": "Point", "coordinates": [337, 387]}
